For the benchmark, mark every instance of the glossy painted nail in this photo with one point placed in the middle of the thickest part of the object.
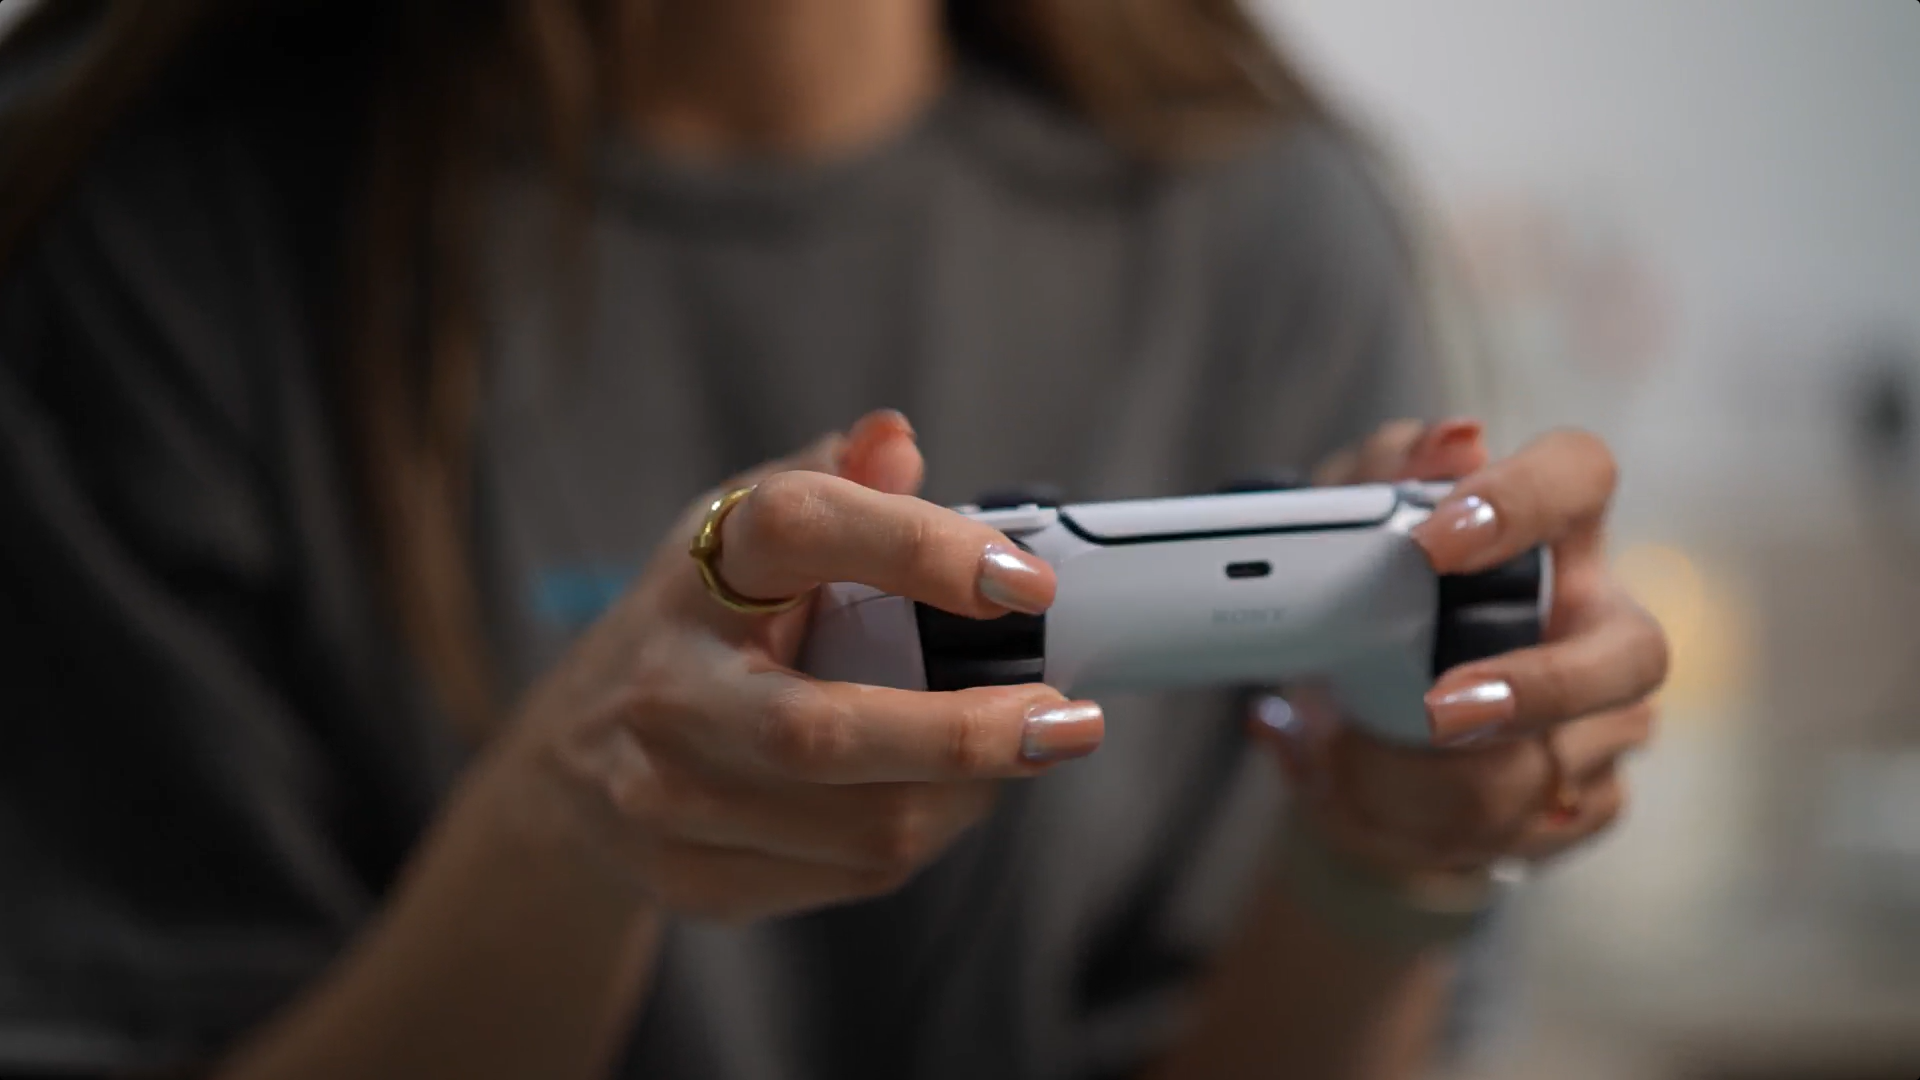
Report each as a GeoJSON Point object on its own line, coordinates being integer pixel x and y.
{"type": "Point", "coordinates": [1286, 731]}
{"type": "Point", "coordinates": [1277, 715]}
{"type": "Point", "coordinates": [1457, 529]}
{"type": "Point", "coordinates": [1013, 579]}
{"type": "Point", "coordinates": [1462, 713]}
{"type": "Point", "coordinates": [1061, 732]}
{"type": "Point", "coordinates": [1446, 435]}
{"type": "Point", "coordinates": [889, 421]}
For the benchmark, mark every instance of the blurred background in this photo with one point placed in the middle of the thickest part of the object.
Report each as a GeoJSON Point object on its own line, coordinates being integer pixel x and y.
{"type": "Point", "coordinates": [1695, 228]}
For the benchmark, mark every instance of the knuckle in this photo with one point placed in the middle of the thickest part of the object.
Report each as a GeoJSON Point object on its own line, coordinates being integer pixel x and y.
{"type": "Point", "coordinates": [656, 705]}
{"type": "Point", "coordinates": [919, 547]}
{"type": "Point", "coordinates": [635, 790]}
{"type": "Point", "coordinates": [904, 838]}
{"type": "Point", "coordinates": [634, 800]}
{"type": "Point", "coordinates": [970, 741]}
{"type": "Point", "coordinates": [611, 761]}
{"type": "Point", "coordinates": [1598, 454]}
{"type": "Point", "coordinates": [802, 731]}
{"type": "Point", "coordinates": [783, 511]}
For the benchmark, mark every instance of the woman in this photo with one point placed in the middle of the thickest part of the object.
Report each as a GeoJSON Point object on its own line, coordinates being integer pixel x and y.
{"type": "Point", "coordinates": [352, 354]}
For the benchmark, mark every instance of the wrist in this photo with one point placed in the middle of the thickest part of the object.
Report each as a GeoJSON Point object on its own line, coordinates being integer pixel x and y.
{"type": "Point", "coordinates": [519, 819]}
{"type": "Point", "coordinates": [1390, 908]}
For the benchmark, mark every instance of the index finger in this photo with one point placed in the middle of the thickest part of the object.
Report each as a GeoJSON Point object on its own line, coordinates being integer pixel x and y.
{"type": "Point", "coordinates": [802, 529]}
{"type": "Point", "coordinates": [1554, 491]}
{"type": "Point", "coordinates": [1614, 656]}
{"type": "Point", "coordinates": [845, 733]}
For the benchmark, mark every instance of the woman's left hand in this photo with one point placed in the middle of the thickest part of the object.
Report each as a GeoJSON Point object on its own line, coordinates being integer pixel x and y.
{"type": "Point", "coordinates": [1531, 741]}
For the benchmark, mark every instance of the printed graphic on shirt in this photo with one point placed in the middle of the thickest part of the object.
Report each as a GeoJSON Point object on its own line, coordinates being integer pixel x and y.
{"type": "Point", "coordinates": [570, 598]}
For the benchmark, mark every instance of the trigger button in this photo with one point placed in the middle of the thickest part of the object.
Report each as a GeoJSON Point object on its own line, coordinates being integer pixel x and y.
{"type": "Point", "coordinates": [1046, 495]}
{"type": "Point", "coordinates": [959, 652]}
{"type": "Point", "coordinates": [1419, 495]}
{"type": "Point", "coordinates": [1479, 631]}
{"type": "Point", "coordinates": [1519, 578]}
{"type": "Point", "coordinates": [1278, 480]}
{"type": "Point", "coordinates": [1026, 518]}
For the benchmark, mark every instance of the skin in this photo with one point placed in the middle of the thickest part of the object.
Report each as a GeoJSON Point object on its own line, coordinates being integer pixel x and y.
{"type": "Point", "coordinates": [673, 767]}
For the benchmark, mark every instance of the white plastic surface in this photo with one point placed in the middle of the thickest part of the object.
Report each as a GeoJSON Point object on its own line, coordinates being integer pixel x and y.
{"type": "Point", "coordinates": [862, 635]}
{"type": "Point", "coordinates": [1355, 606]}
{"type": "Point", "coordinates": [1016, 520]}
{"type": "Point", "coordinates": [1329, 508]}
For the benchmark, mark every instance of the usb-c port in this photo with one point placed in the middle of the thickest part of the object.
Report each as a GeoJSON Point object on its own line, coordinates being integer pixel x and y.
{"type": "Point", "coordinates": [1259, 568]}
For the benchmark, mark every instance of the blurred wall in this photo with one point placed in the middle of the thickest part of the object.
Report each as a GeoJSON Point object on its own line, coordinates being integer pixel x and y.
{"type": "Point", "coordinates": [1757, 158]}
{"type": "Point", "coordinates": [1684, 225]}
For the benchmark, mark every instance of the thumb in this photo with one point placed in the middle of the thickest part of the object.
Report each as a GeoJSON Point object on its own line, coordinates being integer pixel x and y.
{"type": "Point", "coordinates": [1447, 450]}
{"type": "Point", "coordinates": [881, 453]}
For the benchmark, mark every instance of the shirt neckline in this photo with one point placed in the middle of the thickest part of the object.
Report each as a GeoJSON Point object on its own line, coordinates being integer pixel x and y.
{"type": "Point", "coordinates": [1009, 126]}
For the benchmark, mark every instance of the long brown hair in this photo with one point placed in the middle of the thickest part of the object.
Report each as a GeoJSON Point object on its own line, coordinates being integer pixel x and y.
{"type": "Point", "coordinates": [449, 80]}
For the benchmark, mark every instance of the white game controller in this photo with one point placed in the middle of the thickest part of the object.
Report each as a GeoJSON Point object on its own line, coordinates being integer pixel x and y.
{"type": "Point", "coordinates": [1251, 589]}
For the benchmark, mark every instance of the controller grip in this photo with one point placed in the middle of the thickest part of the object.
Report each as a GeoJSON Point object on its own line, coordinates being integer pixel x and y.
{"type": "Point", "coordinates": [861, 635]}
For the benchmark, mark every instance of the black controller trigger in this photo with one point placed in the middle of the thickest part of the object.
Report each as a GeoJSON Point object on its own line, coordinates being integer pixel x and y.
{"type": "Point", "coordinates": [1278, 480]}
{"type": "Point", "coordinates": [1028, 495]}
{"type": "Point", "coordinates": [1516, 579]}
{"type": "Point", "coordinates": [960, 652]}
{"type": "Point", "coordinates": [1489, 613]}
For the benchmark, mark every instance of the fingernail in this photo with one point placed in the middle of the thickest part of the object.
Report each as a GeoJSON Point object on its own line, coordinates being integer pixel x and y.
{"type": "Point", "coordinates": [1448, 434]}
{"type": "Point", "coordinates": [1013, 579]}
{"type": "Point", "coordinates": [1061, 732]}
{"type": "Point", "coordinates": [884, 420]}
{"type": "Point", "coordinates": [1285, 733]}
{"type": "Point", "coordinates": [868, 431]}
{"type": "Point", "coordinates": [1456, 529]}
{"type": "Point", "coordinates": [1462, 712]}
{"type": "Point", "coordinates": [906, 426]}
{"type": "Point", "coordinates": [1276, 715]}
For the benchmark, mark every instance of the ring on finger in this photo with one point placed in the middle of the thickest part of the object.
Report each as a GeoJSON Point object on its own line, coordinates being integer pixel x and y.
{"type": "Point", "coordinates": [705, 550]}
{"type": "Point", "coordinates": [1563, 799]}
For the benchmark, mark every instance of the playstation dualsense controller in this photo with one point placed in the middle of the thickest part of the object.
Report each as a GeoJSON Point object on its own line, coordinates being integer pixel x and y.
{"type": "Point", "coordinates": [1250, 589]}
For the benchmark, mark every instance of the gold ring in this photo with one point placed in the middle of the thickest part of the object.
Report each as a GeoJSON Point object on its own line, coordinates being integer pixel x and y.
{"type": "Point", "coordinates": [1563, 801]}
{"type": "Point", "coordinates": [705, 550]}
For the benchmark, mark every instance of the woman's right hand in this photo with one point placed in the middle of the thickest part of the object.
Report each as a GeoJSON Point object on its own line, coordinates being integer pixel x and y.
{"type": "Point", "coordinates": [677, 745]}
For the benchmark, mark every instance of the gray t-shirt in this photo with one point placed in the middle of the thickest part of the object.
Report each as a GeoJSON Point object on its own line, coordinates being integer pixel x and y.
{"type": "Point", "coordinates": [214, 754]}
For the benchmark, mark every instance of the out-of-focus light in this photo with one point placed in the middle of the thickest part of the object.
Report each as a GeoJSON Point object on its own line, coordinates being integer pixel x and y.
{"type": "Point", "coordinates": [1706, 622]}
